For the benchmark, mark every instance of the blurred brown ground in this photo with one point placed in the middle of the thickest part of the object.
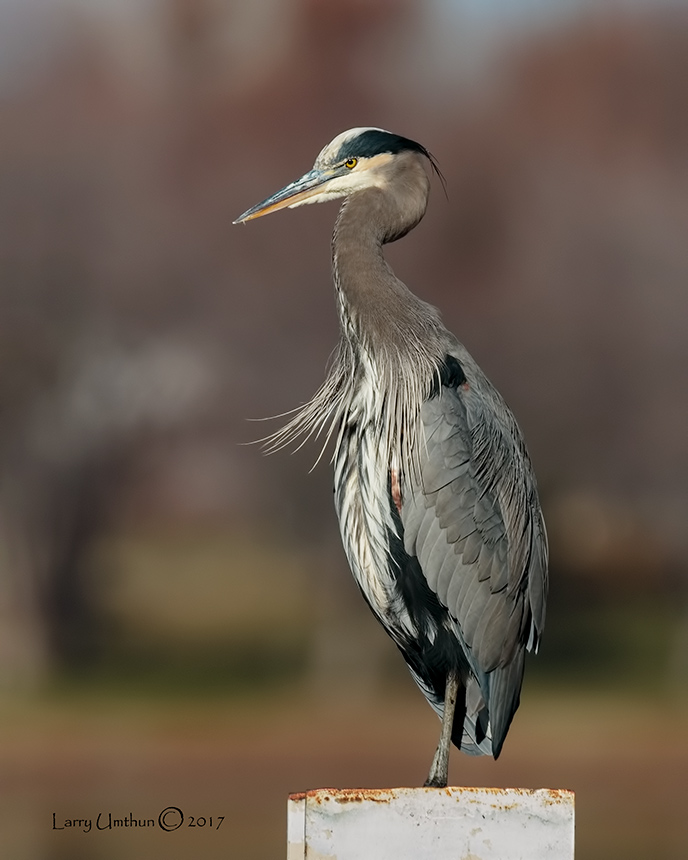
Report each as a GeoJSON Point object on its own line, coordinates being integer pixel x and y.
{"type": "Point", "coordinates": [241, 760]}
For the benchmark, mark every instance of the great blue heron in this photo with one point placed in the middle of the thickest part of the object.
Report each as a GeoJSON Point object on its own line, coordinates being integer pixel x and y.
{"type": "Point", "coordinates": [434, 490]}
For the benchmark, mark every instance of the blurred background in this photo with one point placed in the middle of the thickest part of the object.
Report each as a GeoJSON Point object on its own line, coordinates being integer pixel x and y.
{"type": "Point", "coordinates": [177, 622]}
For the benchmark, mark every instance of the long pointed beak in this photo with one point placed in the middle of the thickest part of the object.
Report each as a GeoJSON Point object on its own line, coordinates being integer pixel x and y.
{"type": "Point", "coordinates": [291, 195]}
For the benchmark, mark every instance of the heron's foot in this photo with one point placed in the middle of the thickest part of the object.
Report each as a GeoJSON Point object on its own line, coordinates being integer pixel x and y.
{"type": "Point", "coordinates": [439, 770]}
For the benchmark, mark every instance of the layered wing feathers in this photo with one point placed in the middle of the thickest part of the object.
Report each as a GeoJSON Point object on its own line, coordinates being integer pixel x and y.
{"type": "Point", "coordinates": [472, 518]}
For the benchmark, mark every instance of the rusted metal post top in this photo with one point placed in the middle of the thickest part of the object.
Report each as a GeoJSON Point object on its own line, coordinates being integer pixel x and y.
{"type": "Point", "coordinates": [432, 823]}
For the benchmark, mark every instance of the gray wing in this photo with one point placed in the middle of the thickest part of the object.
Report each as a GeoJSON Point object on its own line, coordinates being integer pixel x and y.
{"type": "Point", "coordinates": [473, 520]}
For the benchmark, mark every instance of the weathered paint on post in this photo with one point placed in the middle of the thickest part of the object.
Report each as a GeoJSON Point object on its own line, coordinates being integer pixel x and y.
{"type": "Point", "coordinates": [432, 823]}
{"type": "Point", "coordinates": [296, 827]}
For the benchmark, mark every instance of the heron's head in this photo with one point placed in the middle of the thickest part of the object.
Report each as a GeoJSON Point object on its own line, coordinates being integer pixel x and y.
{"type": "Point", "coordinates": [356, 160]}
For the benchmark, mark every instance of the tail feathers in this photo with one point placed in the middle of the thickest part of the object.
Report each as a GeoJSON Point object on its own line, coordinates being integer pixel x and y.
{"type": "Point", "coordinates": [471, 732]}
{"type": "Point", "coordinates": [505, 695]}
{"type": "Point", "coordinates": [480, 727]}
{"type": "Point", "coordinates": [484, 708]}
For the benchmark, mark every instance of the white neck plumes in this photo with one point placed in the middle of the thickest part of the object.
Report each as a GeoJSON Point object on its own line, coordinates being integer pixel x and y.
{"type": "Point", "coordinates": [392, 343]}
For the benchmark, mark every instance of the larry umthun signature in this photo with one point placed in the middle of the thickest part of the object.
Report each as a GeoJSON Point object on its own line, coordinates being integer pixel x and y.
{"type": "Point", "coordinates": [171, 818]}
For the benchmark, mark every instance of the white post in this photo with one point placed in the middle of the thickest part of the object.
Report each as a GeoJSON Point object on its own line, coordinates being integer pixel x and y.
{"type": "Point", "coordinates": [431, 824]}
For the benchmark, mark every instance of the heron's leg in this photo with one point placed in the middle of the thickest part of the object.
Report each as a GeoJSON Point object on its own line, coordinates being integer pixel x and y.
{"type": "Point", "coordinates": [439, 770]}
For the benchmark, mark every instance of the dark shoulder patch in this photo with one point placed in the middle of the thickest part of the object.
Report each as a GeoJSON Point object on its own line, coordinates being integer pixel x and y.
{"type": "Point", "coordinates": [451, 375]}
{"type": "Point", "coordinates": [373, 142]}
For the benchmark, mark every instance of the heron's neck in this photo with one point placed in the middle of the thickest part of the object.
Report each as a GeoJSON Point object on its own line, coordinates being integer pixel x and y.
{"type": "Point", "coordinates": [376, 308]}
{"type": "Point", "coordinates": [393, 343]}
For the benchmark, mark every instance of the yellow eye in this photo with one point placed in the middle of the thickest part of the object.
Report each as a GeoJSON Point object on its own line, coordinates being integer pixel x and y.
{"type": "Point", "coordinates": [351, 163]}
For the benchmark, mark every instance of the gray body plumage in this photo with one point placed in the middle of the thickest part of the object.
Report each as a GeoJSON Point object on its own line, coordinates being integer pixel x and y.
{"type": "Point", "coordinates": [434, 490]}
